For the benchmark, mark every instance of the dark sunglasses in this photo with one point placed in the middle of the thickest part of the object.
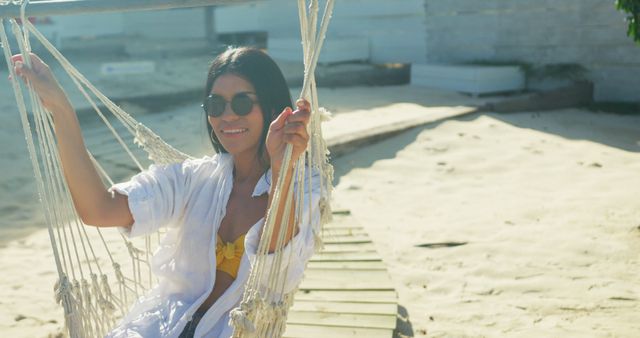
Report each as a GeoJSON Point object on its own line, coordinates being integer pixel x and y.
{"type": "Point", "coordinates": [241, 104]}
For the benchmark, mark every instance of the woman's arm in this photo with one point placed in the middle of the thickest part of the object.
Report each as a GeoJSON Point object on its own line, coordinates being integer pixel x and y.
{"type": "Point", "coordinates": [94, 204]}
{"type": "Point", "coordinates": [289, 128]}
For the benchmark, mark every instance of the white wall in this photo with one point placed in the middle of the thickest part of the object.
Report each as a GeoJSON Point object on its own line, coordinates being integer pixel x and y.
{"type": "Point", "coordinates": [63, 31]}
{"type": "Point", "coordinates": [395, 28]}
{"type": "Point", "coordinates": [170, 24]}
{"type": "Point", "coordinates": [84, 25]}
{"type": "Point", "coordinates": [589, 32]}
{"type": "Point", "coordinates": [174, 23]}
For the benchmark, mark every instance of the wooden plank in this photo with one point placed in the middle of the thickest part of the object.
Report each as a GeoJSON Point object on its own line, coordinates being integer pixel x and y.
{"type": "Point", "coordinates": [348, 247]}
{"type": "Point", "coordinates": [330, 232]}
{"type": "Point", "coordinates": [346, 307]}
{"type": "Point", "coordinates": [346, 280]}
{"type": "Point", "coordinates": [341, 225]}
{"type": "Point", "coordinates": [371, 274]}
{"type": "Point", "coordinates": [347, 265]}
{"type": "Point", "coordinates": [363, 296]}
{"type": "Point", "coordinates": [347, 291]}
{"type": "Point", "coordinates": [345, 256]}
{"type": "Point", "coordinates": [387, 321]}
{"type": "Point", "coordinates": [328, 239]}
{"type": "Point", "coordinates": [318, 331]}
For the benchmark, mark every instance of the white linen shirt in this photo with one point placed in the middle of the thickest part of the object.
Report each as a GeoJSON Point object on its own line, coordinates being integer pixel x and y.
{"type": "Point", "coordinates": [190, 199]}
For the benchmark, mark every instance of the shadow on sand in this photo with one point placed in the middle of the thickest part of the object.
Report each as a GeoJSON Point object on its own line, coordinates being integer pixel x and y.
{"type": "Point", "coordinates": [369, 154]}
{"type": "Point", "coordinates": [613, 130]}
{"type": "Point", "coordinates": [404, 328]}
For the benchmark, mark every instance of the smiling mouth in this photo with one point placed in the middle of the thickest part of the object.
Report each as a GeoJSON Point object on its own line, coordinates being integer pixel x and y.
{"type": "Point", "coordinates": [234, 131]}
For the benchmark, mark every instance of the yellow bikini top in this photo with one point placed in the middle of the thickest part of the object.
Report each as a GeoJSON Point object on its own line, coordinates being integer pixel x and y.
{"type": "Point", "coordinates": [228, 255]}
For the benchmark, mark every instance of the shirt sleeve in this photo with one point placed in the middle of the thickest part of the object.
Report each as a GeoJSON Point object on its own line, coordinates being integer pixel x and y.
{"type": "Point", "coordinates": [156, 197]}
{"type": "Point", "coordinates": [301, 247]}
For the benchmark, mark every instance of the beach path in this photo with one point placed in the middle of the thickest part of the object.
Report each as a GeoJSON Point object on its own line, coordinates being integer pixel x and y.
{"type": "Point", "coordinates": [347, 291]}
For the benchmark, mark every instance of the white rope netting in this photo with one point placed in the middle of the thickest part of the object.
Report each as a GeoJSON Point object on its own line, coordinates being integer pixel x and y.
{"type": "Point", "coordinates": [93, 287]}
{"type": "Point", "coordinates": [265, 304]}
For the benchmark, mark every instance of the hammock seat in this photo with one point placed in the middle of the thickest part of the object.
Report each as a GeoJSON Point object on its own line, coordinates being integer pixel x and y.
{"type": "Point", "coordinates": [95, 285]}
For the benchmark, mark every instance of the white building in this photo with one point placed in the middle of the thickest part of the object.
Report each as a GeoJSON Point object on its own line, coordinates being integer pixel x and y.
{"type": "Point", "coordinates": [590, 33]}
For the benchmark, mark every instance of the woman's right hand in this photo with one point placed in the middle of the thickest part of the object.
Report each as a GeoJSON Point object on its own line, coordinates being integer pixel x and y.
{"type": "Point", "coordinates": [94, 204]}
{"type": "Point", "coordinates": [44, 82]}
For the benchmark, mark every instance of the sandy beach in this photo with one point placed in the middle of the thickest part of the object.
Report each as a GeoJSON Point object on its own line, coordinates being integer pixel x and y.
{"type": "Point", "coordinates": [491, 225]}
{"type": "Point", "coordinates": [522, 225]}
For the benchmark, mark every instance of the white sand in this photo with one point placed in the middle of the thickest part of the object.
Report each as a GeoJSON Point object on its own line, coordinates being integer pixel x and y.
{"type": "Point", "coordinates": [547, 205]}
{"type": "Point", "coordinates": [550, 223]}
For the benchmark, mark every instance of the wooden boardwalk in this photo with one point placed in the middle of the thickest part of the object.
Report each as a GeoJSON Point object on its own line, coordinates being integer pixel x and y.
{"type": "Point", "coordinates": [347, 291]}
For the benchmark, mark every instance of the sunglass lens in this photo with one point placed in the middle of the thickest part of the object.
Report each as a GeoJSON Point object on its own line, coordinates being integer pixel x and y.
{"type": "Point", "coordinates": [214, 105]}
{"type": "Point", "coordinates": [241, 104]}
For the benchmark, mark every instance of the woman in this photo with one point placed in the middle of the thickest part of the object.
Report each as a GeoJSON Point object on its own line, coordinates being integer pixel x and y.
{"type": "Point", "coordinates": [213, 207]}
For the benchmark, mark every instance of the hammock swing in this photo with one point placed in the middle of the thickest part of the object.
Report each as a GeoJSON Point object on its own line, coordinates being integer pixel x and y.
{"type": "Point", "coordinates": [94, 290]}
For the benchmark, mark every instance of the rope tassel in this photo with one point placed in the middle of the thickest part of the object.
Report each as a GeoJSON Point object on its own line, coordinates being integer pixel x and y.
{"type": "Point", "coordinates": [241, 319]}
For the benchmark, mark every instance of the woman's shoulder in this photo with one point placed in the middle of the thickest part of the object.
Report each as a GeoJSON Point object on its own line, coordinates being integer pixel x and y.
{"type": "Point", "coordinates": [206, 160]}
{"type": "Point", "coordinates": [206, 163]}
{"type": "Point", "coordinates": [190, 166]}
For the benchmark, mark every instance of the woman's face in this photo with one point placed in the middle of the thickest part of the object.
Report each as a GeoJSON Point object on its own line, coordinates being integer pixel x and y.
{"type": "Point", "coordinates": [239, 135]}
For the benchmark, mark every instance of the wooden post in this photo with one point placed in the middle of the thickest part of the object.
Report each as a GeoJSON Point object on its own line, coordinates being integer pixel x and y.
{"type": "Point", "coordinates": [210, 29]}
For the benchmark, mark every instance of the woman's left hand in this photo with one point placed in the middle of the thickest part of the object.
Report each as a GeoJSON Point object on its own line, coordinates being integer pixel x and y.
{"type": "Point", "coordinates": [289, 127]}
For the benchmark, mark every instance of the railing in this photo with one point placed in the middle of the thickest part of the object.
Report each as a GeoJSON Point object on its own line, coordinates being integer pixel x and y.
{"type": "Point", "coordinates": [11, 9]}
